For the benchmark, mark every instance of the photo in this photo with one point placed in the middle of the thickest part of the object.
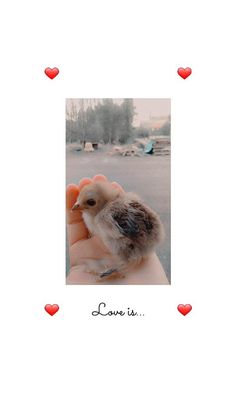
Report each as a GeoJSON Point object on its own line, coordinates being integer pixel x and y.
{"type": "Point", "coordinates": [118, 194]}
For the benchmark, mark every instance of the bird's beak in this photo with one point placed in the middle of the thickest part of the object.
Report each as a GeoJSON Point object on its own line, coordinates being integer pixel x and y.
{"type": "Point", "coordinates": [76, 206]}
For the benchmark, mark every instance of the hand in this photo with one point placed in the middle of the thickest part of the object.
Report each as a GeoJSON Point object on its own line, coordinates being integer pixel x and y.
{"type": "Point", "coordinates": [82, 247]}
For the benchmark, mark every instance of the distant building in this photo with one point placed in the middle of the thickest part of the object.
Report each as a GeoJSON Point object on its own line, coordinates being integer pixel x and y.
{"type": "Point", "coordinates": [153, 123]}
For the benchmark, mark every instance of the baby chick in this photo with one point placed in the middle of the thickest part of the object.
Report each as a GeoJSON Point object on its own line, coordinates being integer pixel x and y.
{"type": "Point", "coordinates": [127, 227]}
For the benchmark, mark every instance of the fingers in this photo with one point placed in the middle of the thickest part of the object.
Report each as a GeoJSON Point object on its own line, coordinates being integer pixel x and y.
{"type": "Point", "coordinates": [93, 248]}
{"type": "Point", "coordinates": [76, 232]}
{"type": "Point", "coordinates": [84, 181]}
{"type": "Point", "coordinates": [75, 225]}
{"type": "Point", "coordinates": [100, 178]}
{"type": "Point", "coordinates": [76, 228]}
{"type": "Point", "coordinates": [97, 178]}
{"type": "Point", "coordinates": [72, 192]}
{"type": "Point", "coordinates": [117, 186]}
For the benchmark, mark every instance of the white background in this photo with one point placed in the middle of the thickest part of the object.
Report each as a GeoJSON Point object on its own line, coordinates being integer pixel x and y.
{"type": "Point", "coordinates": [161, 365]}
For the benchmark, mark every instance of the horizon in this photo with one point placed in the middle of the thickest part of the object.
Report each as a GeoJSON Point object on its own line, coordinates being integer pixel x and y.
{"type": "Point", "coordinates": [145, 109]}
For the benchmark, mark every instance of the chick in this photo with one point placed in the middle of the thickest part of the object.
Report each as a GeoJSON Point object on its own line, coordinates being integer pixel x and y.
{"type": "Point", "coordinates": [127, 227]}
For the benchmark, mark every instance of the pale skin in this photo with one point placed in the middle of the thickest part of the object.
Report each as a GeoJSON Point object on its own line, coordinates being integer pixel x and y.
{"type": "Point", "coordinates": [83, 247]}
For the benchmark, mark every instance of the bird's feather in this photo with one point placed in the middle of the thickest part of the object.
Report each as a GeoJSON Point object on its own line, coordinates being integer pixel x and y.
{"type": "Point", "coordinates": [133, 219]}
{"type": "Point", "coordinates": [126, 223]}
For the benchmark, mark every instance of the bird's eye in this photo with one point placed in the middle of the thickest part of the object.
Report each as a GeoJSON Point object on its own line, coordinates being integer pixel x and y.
{"type": "Point", "coordinates": [91, 202]}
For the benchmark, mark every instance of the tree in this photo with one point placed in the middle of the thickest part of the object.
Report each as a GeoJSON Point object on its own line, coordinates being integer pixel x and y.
{"type": "Point", "coordinates": [142, 132]}
{"type": "Point", "coordinates": [71, 122]}
{"type": "Point", "coordinates": [100, 121]}
{"type": "Point", "coordinates": [127, 109]}
{"type": "Point", "coordinates": [165, 129]}
{"type": "Point", "coordinates": [105, 115]}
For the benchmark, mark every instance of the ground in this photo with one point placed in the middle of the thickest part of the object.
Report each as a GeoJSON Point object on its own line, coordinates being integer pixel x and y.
{"type": "Point", "coordinates": [148, 176]}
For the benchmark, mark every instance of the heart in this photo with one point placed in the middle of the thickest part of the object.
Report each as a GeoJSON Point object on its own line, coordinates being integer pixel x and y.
{"type": "Point", "coordinates": [184, 308]}
{"type": "Point", "coordinates": [184, 72]}
{"type": "Point", "coordinates": [51, 72]}
{"type": "Point", "coordinates": [51, 309]}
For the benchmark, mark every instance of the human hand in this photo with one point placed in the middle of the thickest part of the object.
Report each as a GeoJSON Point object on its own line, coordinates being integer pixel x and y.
{"type": "Point", "coordinates": [82, 247]}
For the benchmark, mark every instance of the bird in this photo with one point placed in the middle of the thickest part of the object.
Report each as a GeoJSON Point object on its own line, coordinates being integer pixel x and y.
{"type": "Point", "coordinates": [125, 224]}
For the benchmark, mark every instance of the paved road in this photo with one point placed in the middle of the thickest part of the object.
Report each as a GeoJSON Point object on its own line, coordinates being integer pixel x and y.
{"type": "Point", "coordinates": [148, 176]}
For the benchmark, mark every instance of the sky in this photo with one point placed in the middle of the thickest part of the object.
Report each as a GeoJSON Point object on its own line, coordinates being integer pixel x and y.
{"type": "Point", "coordinates": [145, 108]}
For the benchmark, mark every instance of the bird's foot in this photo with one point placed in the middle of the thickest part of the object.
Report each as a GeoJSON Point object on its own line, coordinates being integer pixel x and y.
{"type": "Point", "coordinates": [112, 273]}
{"type": "Point", "coordinates": [108, 272]}
{"type": "Point", "coordinates": [93, 267]}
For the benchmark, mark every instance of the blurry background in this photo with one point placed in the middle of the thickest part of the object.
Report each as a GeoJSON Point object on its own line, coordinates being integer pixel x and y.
{"type": "Point", "coordinates": [127, 140]}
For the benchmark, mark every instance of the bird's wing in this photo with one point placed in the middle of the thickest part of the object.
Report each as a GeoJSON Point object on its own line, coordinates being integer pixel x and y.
{"type": "Point", "coordinates": [129, 218]}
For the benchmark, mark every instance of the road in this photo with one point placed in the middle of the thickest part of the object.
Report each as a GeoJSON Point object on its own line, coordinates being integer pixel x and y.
{"type": "Point", "coordinates": [148, 176]}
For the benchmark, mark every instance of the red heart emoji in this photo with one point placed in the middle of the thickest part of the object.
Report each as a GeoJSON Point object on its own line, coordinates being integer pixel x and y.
{"type": "Point", "coordinates": [51, 72]}
{"type": "Point", "coordinates": [184, 308]}
{"type": "Point", "coordinates": [184, 72]}
{"type": "Point", "coordinates": [51, 309]}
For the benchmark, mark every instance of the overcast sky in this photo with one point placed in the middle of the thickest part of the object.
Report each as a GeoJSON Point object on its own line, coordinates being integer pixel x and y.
{"type": "Point", "coordinates": [145, 108]}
